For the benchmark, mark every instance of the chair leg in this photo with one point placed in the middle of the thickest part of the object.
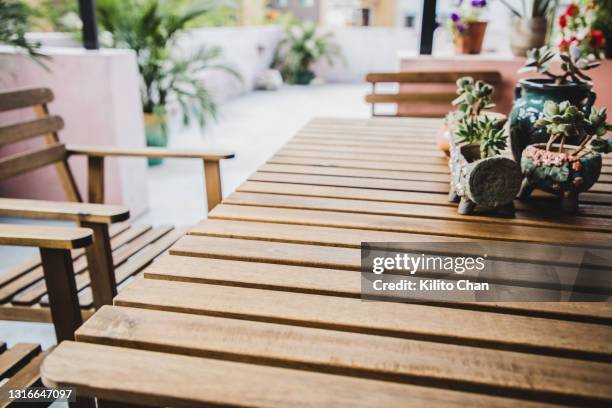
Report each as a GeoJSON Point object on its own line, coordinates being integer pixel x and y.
{"type": "Point", "coordinates": [212, 179]}
{"type": "Point", "coordinates": [100, 265]}
{"type": "Point", "coordinates": [61, 288]}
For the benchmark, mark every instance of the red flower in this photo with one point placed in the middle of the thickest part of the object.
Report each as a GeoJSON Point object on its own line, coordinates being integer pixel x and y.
{"type": "Point", "coordinates": [597, 39]}
{"type": "Point", "coordinates": [562, 21]}
{"type": "Point", "coordinates": [564, 45]}
{"type": "Point", "coordinates": [572, 10]}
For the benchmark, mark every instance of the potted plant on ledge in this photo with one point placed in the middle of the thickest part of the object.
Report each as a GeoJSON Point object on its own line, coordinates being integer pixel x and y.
{"type": "Point", "coordinates": [572, 85]}
{"type": "Point", "coordinates": [530, 24]}
{"type": "Point", "coordinates": [560, 168]}
{"type": "Point", "coordinates": [467, 26]}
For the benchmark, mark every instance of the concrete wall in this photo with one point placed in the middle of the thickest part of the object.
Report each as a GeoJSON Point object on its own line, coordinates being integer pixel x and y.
{"type": "Point", "coordinates": [96, 93]}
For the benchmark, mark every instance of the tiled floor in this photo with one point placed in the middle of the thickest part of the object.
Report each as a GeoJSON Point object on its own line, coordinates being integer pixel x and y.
{"type": "Point", "coordinates": [254, 126]}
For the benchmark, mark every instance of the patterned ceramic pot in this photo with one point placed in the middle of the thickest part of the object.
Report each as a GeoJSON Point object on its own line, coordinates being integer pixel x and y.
{"type": "Point", "coordinates": [529, 98]}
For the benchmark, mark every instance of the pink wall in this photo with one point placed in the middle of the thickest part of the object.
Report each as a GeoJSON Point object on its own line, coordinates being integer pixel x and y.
{"type": "Point", "coordinates": [96, 93]}
{"type": "Point", "coordinates": [508, 67]}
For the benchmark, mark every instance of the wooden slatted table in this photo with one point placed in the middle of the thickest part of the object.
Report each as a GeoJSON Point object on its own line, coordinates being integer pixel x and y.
{"type": "Point", "coordinates": [260, 304]}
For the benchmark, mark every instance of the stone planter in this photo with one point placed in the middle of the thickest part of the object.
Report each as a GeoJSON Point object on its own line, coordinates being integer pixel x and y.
{"type": "Point", "coordinates": [470, 41]}
{"type": "Point", "coordinates": [559, 173]}
{"type": "Point", "coordinates": [527, 33]}
{"type": "Point", "coordinates": [529, 98]}
{"type": "Point", "coordinates": [489, 184]}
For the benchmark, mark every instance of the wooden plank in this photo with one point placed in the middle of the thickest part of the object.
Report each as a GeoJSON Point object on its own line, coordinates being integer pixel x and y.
{"type": "Point", "coordinates": [95, 179]}
{"type": "Point", "coordinates": [351, 354]}
{"type": "Point", "coordinates": [350, 238]}
{"type": "Point", "coordinates": [44, 236]}
{"type": "Point", "coordinates": [415, 210]}
{"type": "Point", "coordinates": [414, 321]}
{"type": "Point", "coordinates": [58, 210]}
{"type": "Point", "coordinates": [351, 164]}
{"type": "Point", "coordinates": [492, 77]}
{"type": "Point", "coordinates": [23, 98]}
{"type": "Point", "coordinates": [17, 357]}
{"type": "Point", "coordinates": [334, 282]}
{"type": "Point", "coordinates": [453, 228]}
{"type": "Point", "coordinates": [157, 152]}
{"type": "Point", "coordinates": [212, 181]}
{"type": "Point", "coordinates": [348, 172]}
{"type": "Point", "coordinates": [26, 130]}
{"type": "Point", "coordinates": [412, 97]}
{"type": "Point", "coordinates": [350, 141]}
{"type": "Point", "coordinates": [28, 376]}
{"type": "Point", "coordinates": [109, 373]}
{"type": "Point", "coordinates": [397, 151]}
{"type": "Point", "coordinates": [19, 163]}
{"type": "Point", "coordinates": [362, 156]}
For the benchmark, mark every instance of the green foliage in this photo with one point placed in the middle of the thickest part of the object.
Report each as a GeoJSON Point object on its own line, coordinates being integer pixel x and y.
{"type": "Point", "coordinates": [13, 27]}
{"type": "Point", "coordinates": [564, 120]}
{"type": "Point", "coordinates": [484, 130]}
{"type": "Point", "coordinates": [57, 15]}
{"type": "Point", "coordinates": [573, 64]}
{"type": "Point", "coordinates": [302, 46]}
{"type": "Point", "coordinates": [473, 96]}
{"type": "Point", "coordinates": [603, 18]}
{"type": "Point", "coordinates": [151, 30]}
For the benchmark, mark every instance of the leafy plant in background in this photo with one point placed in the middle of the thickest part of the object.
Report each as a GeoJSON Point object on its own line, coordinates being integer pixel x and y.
{"type": "Point", "coordinates": [473, 96]}
{"type": "Point", "coordinates": [577, 27]}
{"type": "Point", "coordinates": [532, 8]}
{"type": "Point", "coordinates": [466, 11]}
{"type": "Point", "coordinates": [573, 64]}
{"type": "Point", "coordinates": [603, 23]}
{"type": "Point", "coordinates": [151, 30]}
{"type": "Point", "coordinates": [13, 27]}
{"type": "Point", "coordinates": [301, 47]}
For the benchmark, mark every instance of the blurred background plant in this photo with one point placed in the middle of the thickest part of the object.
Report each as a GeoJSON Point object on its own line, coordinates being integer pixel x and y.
{"type": "Point", "coordinates": [578, 25]}
{"type": "Point", "coordinates": [14, 23]}
{"type": "Point", "coordinates": [169, 77]}
{"type": "Point", "coordinates": [301, 47]}
{"type": "Point", "coordinates": [603, 23]}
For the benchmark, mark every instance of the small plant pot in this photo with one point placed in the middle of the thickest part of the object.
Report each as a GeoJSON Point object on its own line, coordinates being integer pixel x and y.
{"type": "Point", "coordinates": [156, 132]}
{"type": "Point", "coordinates": [562, 174]}
{"type": "Point", "coordinates": [489, 184]}
{"type": "Point", "coordinates": [304, 77]}
{"type": "Point", "coordinates": [443, 139]}
{"type": "Point", "coordinates": [470, 41]}
{"type": "Point", "coordinates": [527, 33]}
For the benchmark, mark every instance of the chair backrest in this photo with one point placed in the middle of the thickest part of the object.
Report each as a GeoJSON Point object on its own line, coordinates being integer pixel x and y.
{"type": "Point", "coordinates": [43, 125]}
{"type": "Point", "coordinates": [429, 93]}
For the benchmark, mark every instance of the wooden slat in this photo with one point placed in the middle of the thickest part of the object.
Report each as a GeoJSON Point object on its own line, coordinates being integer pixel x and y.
{"type": "Point", "coordinates": [420, 97]}
{"type": "Point", "coordinates": [398, 151]}
{"type": "Point", "coordinates": [334, 282]}
{"type": "Point", "coordinates": [44, 236]}
{"type": "Point", "coordinates": [358, 355]}
{"type": "Point", "coordinates": [25, 130]}
{"type": "Point", "coordinates": [41, 209]}
{"type": "Point", "coordinates": [159, 152]}
{"type": "Point", "coordinates": [362, 156]}
{"type": "Point", "coordinates": [481, 329]}
{"type": "Point", "coordinates": [492, 77]}
{"type": "Point", "coordinates": [23, 98]}
{"type": "Point", "coordinates": [28, 376]}
{"type": "Point", "coordinates": [17, 357]}
{"type": "Point", "coordinates": [19, 163]}
{"type": "Point", "coordinates": [453, 228]}
{"type": "Point", "coordinates": [109, 372]}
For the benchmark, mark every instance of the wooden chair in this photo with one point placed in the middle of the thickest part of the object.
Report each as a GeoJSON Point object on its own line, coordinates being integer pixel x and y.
{"type": "Point", "coordinates": [422, 94]}
{"type": "Point", "coordinates": [20, 367]}
{"type": "Point", "coordinates": [117, 252]}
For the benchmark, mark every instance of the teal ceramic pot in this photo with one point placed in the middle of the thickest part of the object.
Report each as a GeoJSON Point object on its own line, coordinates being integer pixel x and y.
{"type": "Point", "coordinates": [304, 77]}
{"type": "Point", "coordinates": [559, 173]}
{"type": "Point", "coordinates": [156, 132]}
{"type": "Point", "coordinates": [529, 98]}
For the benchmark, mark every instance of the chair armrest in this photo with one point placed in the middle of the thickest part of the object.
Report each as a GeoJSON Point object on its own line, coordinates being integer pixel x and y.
{"type": "Point", "coordinates": [45, 237]}
{"type": "Point", "coordinates": [80, 212]}
{"type": "Point", "coordinates": [150, 152]}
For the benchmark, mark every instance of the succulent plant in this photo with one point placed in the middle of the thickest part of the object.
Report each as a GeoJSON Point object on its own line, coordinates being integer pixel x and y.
{"type": "Point", "coordinates": [484, 130]}
{"type": "Point", "coordinates": [572, 64]}
{"type": "Point", "coordinates": [473, 96]}
{"type": "Point", "coordinates": [565, 120]}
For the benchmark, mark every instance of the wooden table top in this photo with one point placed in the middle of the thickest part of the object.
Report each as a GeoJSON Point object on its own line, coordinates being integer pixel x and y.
{"type": "Point", "coordinates": [260, 304]}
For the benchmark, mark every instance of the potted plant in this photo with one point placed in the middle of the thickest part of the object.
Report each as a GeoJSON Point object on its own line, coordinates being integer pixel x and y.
{"type": "Point", "coordinates": [467, 26]}
{"type": "Point", "coordinates": [578, 26]}
{"type": "Point", "coordinates": [530, 24]}
{"type": "Point", "coordinates": [530, 94]}
{"type": "Point", "coordinates": [301, 47]}
{"type": "Point", "coordinates": [480, 176]}
{"type": "Point", "coordinates": [558, 167]}
{"type": "Point", "coordinates": [169, 78]}
{"type": "Point", "coordinates": [603, 23]}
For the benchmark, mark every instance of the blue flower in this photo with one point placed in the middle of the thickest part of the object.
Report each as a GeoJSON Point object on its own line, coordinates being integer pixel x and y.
{"type": "Point", "coordinates": [479, 3]}
{"type": "Point", "coordinates": [455, 17]}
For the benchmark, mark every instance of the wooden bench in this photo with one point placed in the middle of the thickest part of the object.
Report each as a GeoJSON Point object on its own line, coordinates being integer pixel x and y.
{"type": "Point", "coordinates": [19, 368]}
{"type": "Point", "coordinates": [429, 94]}
{"type": "Point", "coordinates": [119, 251]}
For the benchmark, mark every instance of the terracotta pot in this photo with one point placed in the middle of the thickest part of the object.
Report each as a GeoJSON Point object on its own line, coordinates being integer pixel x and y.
{"type": "Point", "coordinates": [470, 41]}
{"type": "Point", "coordinates": [443, 139]}
{"type": "Point", "coordinates": [527, 33]}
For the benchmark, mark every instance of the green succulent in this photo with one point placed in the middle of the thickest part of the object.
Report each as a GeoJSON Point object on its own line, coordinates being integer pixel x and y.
{"type": "Point", "coordinates": [565, 120]}
{"type": "Point", "coordinates": [572, 64]}
{"type": "Point", "coordinates": [484, 130]}
{"type": "Point", "coordinates": [473, 96]}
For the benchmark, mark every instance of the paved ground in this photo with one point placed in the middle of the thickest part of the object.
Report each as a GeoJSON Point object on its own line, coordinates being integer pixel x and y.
{"type": "Point", "coordinates": [254, 126]}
